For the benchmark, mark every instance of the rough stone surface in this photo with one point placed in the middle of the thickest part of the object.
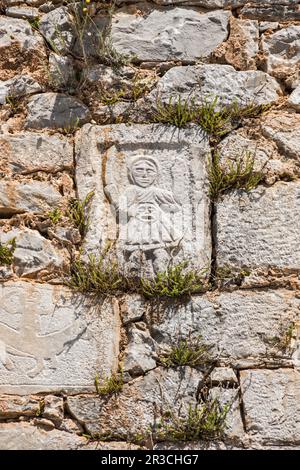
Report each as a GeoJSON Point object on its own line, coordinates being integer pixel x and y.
{"type": "Point", "coordinates": [61, 70]}
{"type": "Point", "coordinates": [33, 196]}
{"type": "Point", "coordinates": [54, 340]}
{"type": "Point", "coordinates": [259, 229]}
{"type": "Point", "coordinates": [284, 128]}
{"type": "Point", "coordinates": [26, 13]}
{"type": "Point", "coordinates": [280, 12]}
{"type": "Point", "coordinates": [34, 255]}
{"type": "Point", "coordinates": [140, 353]}
{"type": "Point", "coordinates": [108, 160]}
{"type": "Point", "coordinates": [238, 325]}
{"type": "Point", "coordinates": [294, 99]}
{"type": "Point", "coordinates": [271, 402]}
{"type": "Point", "coordinates": [282, 51]}
{"type": "Point", "coordinates": [25, 153]}
{"type": "Point", "coordinates": [204, 81]}
{"type": "Point", "coordinates": [24, 436]}
{"type": "Point", "coordinates": [55, 110]}
{"type": "Point", "coordinates": [21, 49]}
{"type": "Point", "coordinates": [57, 27]}
{"type": "Point", "coordinates": [140, 403]}
{"type": "Point", "coordinates": [17, 87]}
{"type": "Point", "coordinates": [175, 34]}
{"type": "Point", "coordinates": [12, 407]}
{"type": "Point", "coordinates": [242, 46]}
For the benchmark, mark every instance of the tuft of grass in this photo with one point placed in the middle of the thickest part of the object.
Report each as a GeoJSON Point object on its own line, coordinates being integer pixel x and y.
{"type": "Point", "coordinates": [97, 275]}
{"type": "Point", "coordinates": [7, 252]}
{"type": "Point", "coordinates": [205, 420]}
{"type": "Point", "coordinates": [237, 174]}
{"type": "Point", "coordinates": [213, 115]}
{"type": "Point", "coordinates": [35, 23]}
{"type": "Point", "coordinates": [71, 128]}
{"type": "Point", "coordinates": [176, 281]}
{"type": "Point", "coordinates": [78, 212]}
{"type": "Point", "coordinates": [225, 275]}
{"type": "Point", "coordinates": [55, 215]}
{"type": "Point", "coordinates": [110, 385]}
{"type": "Point", "coordinates": [187, 352]}
{"type": "Point", "coordinates": [282, 342]}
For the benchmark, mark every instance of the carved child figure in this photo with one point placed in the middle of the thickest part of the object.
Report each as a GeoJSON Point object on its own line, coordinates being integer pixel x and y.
{"type": "Point", "coordinates": [144, 214]}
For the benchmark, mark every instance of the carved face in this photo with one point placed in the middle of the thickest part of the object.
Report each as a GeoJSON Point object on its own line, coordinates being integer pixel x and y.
{"type": "Point", "coordinates": [144, 173]}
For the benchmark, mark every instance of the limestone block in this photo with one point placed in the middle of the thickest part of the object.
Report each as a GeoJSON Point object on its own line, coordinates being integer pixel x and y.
{"type": "Point", "coordinates": [211, 4]}
{"type": "Point", "coordinates": [58, 28]}
{"type": "Point", "coordinates": [18, 87]}
{"type": "Point", "coordinates": [24, 436]}
{"type": "Point", "coordinates": [282, 52]}
{"type": "Point", "coordinates": [272, 405]}
{"type": "Point", "coordinates": [175, 34]}
{"type": "Point", "coordinates": [34, 254]}
{"type": "Point", "coordinates": [22, 50]}
{"type": "Point", "coordinates": [237, 325]}
{"type": "Point", "coordinates": [27, 152]}
{"type": "Point", "coordinates": [62, 71]}
{"type": "Point", "coordinates": [53, 340]}
{"type": "Point", "coordinates": [55, 110]}
{"type": "Point", "coordinates": [13, 406]}
{"type": "Point", "coordinates": [206, 81]}
{"type": "Point", "coordinates": [152, 180]}
{"type": "Point", "coordinates": [294, 99]}
{"type": "Point", "coordinates": [28, 196]}
{"type": "Point", "coordinates": [140, 403]}
{"type": "Point", "coordinates": [271, 11]}
{"type": "Point", "coordinates": [260, 228]}
{"type": "Point", "coordinates": [139, 356]}
{"type": "Point", "coordinates": [53, 408]}
{"type": "Point", "coordinates": [284, 129]}
{"type": "Point", "coordinates": [242, 46]}
{"type": "Point", "coordinates": [26, 13]}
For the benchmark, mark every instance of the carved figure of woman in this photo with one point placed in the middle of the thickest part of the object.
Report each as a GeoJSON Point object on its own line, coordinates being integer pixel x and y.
{"type": "Point", "coordinates": [144, 213]}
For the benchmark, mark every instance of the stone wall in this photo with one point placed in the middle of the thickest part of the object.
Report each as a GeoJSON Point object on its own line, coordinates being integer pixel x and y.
{"type": "Point", "coordinates": [82, 87]}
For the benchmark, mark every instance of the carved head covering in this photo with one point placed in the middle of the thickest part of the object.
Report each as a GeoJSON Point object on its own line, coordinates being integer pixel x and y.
{"type": "Point", "coordinates": [143, 158]}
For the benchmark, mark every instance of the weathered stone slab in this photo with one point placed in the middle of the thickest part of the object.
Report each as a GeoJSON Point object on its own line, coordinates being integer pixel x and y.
{"type": "Point", "coordinates": [294, 99]}
{"type": "Point", "coordinates": [281, 12]}
{"type": "Point", "coordinates": [211, 4]}
{"type": "Point", "coordinates": [272, 405]}
{"type": "Point", "coordinates": [34, 255]}
{"type": "Point", "coordinates": [282, 52]}
{"type": "Point", "coordinates": [139, 405]}
{"type": "Point", "coordinates": [201, 82]}
{"type": "Point", "coordinates": [237, 325]}
{"type": "Point", "coordinates": [24, 436]}
{"type": "Point", "coordinates": [284, 129]}
{"type": "Point", "coordinates": [12, 406]}
{"type": "Point", "coordinates": [152, 179]}
{"type": "Point", "coordinates": [55, 110]}
{"type": "Point", "coordinates": [27, 152]}
{"type": "Point", "coordinates": [58, 27]}
{"type": "Point", "coordinates": [241, 48]}
{"type": "Point", "coordinates": [21, 49]}
{"type": "Point", "coordinates": [54, 340]}
{"type": "Point", "coordinates": [17, 87]}
{"type": "Point", "coordinates": [26, 13]}
{"type": "Point", "coordinates": [260, 228]}
{"type": "Point", "coordinates": [175, 34]}
{"type": "Point", "coordinates": [62, 71]}
{"type": "Point", "coordinates": [28, 196]}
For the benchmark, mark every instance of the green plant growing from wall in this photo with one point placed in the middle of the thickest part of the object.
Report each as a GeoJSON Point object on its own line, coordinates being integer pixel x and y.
{"type": "Point", "coordinates": [98, 276]}
{"type": "Point", "coordinates": [7, 252]}
{"type": "Point", "coordinates": [110, 385]}
{"type": "Point", "coordinates": [205, 420]}
{"type": "Point", "coordinates": [187, 352]}
{"type": "Point", "coordinates": [225, 174]}
{"type": "Point", "coordinates": [175, 281]}
{"type": "Point", "coordinates": [55, 215]}
{"type": "Point", "coordinates": [213, 115]}
{"type": "Point", "coordinates": [78, 212]}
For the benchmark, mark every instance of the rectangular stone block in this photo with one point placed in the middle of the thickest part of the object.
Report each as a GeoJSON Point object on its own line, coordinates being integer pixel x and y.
{"type": "Point", "coordinates": [272, 405]}
{"type": "Point", "coordinates": [260, 228]}
{"type": "Point", "coordinates": [240, 326]}
{"type": "Point", "coordinates": [54, 340]}
{"type": "Point", "coordinates": [150, 193]}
